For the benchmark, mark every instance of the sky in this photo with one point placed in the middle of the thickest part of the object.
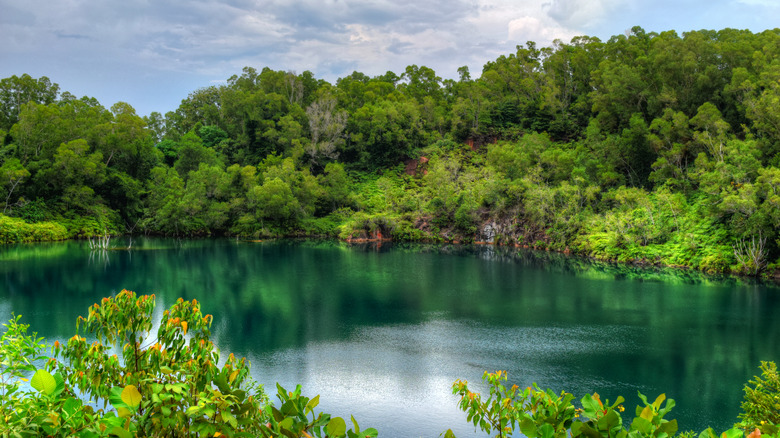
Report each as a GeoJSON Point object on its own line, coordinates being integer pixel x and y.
{"type": "Point", "coordinates": [153, 53]}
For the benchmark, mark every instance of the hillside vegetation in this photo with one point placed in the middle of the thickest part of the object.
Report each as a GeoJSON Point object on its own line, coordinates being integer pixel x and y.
{"type": "Point", "coordinates": [649, 147]}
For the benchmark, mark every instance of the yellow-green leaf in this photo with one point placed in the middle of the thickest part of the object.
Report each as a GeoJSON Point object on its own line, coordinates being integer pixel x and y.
{"type": "Point", "coordinates": [123, 412]}
{"type": "Point", "coordinates": [659, 400]}
{"type": "Point", "coordinates": [647, 413]}
{"type": "Point", "coordinates": [43, 382]}
{"type": "Point", "coordinates": [312, 403]}
{"type": "Point", "coordinates": [227, 417]}
{"type": "Point", "coordinates": [131, 396]}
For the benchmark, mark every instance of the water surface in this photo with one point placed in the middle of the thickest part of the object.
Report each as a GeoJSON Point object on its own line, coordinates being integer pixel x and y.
{"type": "Point", "coordinates": [382, 332]}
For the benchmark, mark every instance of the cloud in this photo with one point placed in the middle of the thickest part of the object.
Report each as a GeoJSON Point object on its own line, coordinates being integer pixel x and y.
{"type": "Point", "coordinates": [534, 29]}
{"type": "Point", "coordinates": [184, 42]}
{"type": "Point", "coordinates": [13, 15]}
{"type": "Point", "coordinates": [583, 13]}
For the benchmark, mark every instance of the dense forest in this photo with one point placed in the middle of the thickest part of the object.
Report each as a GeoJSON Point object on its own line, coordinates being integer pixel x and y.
{"type": "Point", "coordinates": [649, 148]}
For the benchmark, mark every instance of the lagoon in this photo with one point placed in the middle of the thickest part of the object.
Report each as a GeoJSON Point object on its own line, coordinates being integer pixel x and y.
{"type": "Point", "coordinates": [382, 331]}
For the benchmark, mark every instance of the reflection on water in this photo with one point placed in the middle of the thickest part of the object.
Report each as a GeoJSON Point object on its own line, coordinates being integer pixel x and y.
{"type": "Point", "coordinates": [383, 331]}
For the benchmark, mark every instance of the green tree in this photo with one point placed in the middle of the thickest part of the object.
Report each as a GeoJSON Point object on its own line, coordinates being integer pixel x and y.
{"type": "Point", "coordinates": [17, 91]}
{"type": "Point", "coordinates": [75, 173]}
{"type": "Point", "coordinates": [191, 153]}
{"type": "Point", "coordinates": [273, 201]}
{"type": "Point", "coordinates": [12, 173]}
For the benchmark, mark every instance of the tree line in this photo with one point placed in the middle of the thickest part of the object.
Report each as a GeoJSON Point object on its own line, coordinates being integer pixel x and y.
{"type": "Point", "coordinates": [648, 147]}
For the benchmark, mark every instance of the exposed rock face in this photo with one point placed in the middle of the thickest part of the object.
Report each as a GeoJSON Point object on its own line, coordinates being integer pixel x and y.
{"type": "Point", "coordinates": [508, 231]}
{"type": "Point", "coordinates": [488, 232]}
{"type": "Point", "coordinates": [416, 167]}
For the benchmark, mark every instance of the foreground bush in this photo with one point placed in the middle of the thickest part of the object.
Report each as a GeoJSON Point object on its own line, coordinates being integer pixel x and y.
{"type": "Point", "coordinates": [168, 384]}
{"type": "Point", "coordinates": [537, 413]}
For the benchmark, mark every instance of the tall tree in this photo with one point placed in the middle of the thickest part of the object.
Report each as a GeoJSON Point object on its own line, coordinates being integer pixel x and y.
{"type": "Point", "coordinates": [16, 91]}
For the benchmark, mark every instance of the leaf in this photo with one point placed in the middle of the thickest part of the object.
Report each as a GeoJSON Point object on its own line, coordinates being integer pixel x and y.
{"type": "Point", "coordinates": [43, 382]}
{"type": "Point", "coordinates": [527, 427]}
{"type": "Point", "coordinates": [60, 384]}
{"type": "Point", "coordinates": [647, 413]}
{"type": "Point", "coordinates": [670, 403]}
{"type": "Point", "coordinates": [373, 433]}
{"type": "Point", "coordinates": [115, 398]}
{"type": "Point", "coordinates": [227, 417]}
{"type": "Point", "coordinates": [289, 408]}
{"type": "Point", "coordinates": [336, 427]}
{"type": "Point", "coordinates": [732, 433]}
{"type": "Point", "coordinates": [121, 433]}
{"type": "Point", "coordinates": [287, 423]}
{"type": "Point", "coordinates": [670, 427]}
{"type": "Point", "coordinates": [642, 425]}
{"type": "Point", "coordinates": [609, 421]}
{"type": "Point", "coordinates": [354, 423]}
{"type": "Point", "coordinates": [221, 381]}
{"type": "Point", "coordinates": [590, 404]}
{"type": "Point", "coordinates": [71, 405]}
{"type": "Point", "coordinates": [123, 412]}
{"type": "Point", "coordinates": [708, 433]}
{"type": "Point", "coordinates": [289, 433]}
{"type": "Point", "coordinates": [659, 400]}
{"type": "Point", "coordinates": [277, 414]}
{"type": "Point", "coordinates": [131, 396]}
{"type": "Point", "coordinates": [546, 431]}
{"type": "Point", "coordinates": [313, 404]}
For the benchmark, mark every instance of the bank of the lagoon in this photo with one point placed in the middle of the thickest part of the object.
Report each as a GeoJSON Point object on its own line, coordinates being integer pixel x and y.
{"type": "Point", "coordinates": [378, 329]}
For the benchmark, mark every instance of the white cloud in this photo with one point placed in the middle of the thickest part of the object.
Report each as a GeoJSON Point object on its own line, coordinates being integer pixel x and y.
{"type": "Point", "coordinates": [583, 13]}
{"type": "Point", "coordinates": [533, 29]}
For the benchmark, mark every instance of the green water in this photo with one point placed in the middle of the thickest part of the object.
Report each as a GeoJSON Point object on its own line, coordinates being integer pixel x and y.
{"type": "Point", "coordinates": [382, 332]}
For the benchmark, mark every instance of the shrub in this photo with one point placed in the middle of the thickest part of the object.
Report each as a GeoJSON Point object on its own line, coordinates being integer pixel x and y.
{"type": "Point", "coordinates": [761, 407]}
{"type": "Point", "coordinates": [13, 230]}
{"type": "Point", "coordinates": [540, 413]}
{"type": "Point", "coordinates": [167, 384]}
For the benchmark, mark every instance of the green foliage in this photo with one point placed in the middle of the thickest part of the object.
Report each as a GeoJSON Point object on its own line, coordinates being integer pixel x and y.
{"type": "Point", "coordinates": [761, 408]}
{"type": "Point", "coordinates": [537, 413]}
{"type": "Point", "coordinates": [163, 384]}
{"type": "Point", "coordinates": [14, 230]}
{"type": "Point", "coordinates": [649, 147]}
{"type": "Point", "coordinates": [291, 419]}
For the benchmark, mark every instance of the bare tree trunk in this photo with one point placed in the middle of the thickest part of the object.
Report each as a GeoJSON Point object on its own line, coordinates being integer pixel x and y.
{"type": "Point", "coordinates": [752, 256]}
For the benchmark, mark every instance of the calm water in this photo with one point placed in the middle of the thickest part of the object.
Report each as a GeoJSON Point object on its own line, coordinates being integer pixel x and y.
{"type": "Point", "coordinates": [382, 333]}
